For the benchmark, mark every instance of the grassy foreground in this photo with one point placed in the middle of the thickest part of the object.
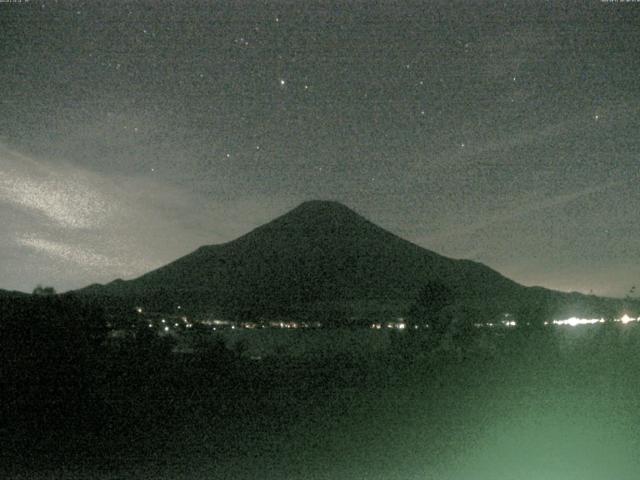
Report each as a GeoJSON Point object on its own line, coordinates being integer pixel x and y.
{"type": "Point", "coordinates": [553, 404]}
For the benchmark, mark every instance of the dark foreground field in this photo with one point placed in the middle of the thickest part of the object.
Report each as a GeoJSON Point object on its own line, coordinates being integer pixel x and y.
{"type": "Point", "coordinates": [555, 404]}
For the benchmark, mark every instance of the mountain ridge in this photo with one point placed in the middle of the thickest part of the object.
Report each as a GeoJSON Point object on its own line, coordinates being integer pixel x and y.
{"type": "Point", "coordinates": [12, 294]}
{"type": "Point", "coordinates": [320, 258]}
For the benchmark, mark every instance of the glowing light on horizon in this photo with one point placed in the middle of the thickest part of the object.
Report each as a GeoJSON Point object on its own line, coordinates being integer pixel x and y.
{"type": "Point", "coordinates": [626, 319]}
{"type": "Point", "coordinates": [575, 321]}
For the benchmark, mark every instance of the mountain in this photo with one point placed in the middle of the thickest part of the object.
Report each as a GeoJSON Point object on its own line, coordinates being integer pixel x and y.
{"type": "Point", "coordinates": [320, 259]}
{"type": "Point", "coordinates": [12, 294]}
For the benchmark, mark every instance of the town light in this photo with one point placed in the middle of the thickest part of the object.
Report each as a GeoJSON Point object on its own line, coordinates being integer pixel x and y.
{"type": "Point", "coordinates": [626, 319]}
{"type": "Point", "coordinates": [574, 321]}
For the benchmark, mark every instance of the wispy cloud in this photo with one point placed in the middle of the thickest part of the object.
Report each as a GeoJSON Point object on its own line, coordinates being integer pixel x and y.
{"type": "Point", "coordinates": [63, 196]}
{"type": "Point", "coordinates": [533, 205]}
{"type": "Point", "coordinates": [82, 256]}
{"type": "Point", "coordinates": [92, 227]}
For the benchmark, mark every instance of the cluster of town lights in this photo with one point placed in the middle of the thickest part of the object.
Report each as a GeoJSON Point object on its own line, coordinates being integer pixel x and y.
{"type": "Point", "coordinates": [397, 324]}
{"type": "Point", "coordinates": [574, 321]}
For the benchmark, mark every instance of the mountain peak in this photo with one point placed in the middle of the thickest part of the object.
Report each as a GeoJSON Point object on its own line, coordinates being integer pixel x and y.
{"type": "Point", "coordinates": [322, 203]}
{"type": "Point", "coordinates": [319, 216]}
{"type": "Point", "coordinates": [317, 206]}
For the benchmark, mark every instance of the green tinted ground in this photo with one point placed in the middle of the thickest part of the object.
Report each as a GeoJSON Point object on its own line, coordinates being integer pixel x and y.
{"type": "Point", "coordinates": [548, 405]}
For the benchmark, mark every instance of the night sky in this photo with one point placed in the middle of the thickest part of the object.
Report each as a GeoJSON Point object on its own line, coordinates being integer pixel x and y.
{"type": "Point", "coordinates": [133, 132]}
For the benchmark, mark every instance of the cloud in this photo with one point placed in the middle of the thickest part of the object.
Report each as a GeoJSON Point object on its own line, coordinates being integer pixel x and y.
{"type": "Point", "coordinates": [65, 197]}
{"type": "Point", "coordinates": [81, 256]}
{"type": "Point", "coordinates": [84, 226]}
{"type": "Point", "coordinates": [522, 209]}
{"type": "Point", "coordinates": [98, 225]}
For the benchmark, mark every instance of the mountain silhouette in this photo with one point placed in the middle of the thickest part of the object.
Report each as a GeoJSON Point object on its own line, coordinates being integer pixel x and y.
{"type": "Point", "coordinates": [11, 294]}
{"type": "Point", "coordinates": [321, 258]}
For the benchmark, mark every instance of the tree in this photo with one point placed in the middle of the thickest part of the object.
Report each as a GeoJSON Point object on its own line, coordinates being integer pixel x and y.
{"type": "Point", "coordinates": [431, 305]}
{"type": "Point", "coordinates": [44, 291]}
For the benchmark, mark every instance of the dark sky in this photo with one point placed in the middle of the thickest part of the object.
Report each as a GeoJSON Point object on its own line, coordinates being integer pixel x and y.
{"type": "Point", "coordinates": [133, 132]}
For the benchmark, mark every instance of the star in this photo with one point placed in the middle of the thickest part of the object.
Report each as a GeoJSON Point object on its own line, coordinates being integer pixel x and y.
{"type": "Point", "coordinates": [282, 82]}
